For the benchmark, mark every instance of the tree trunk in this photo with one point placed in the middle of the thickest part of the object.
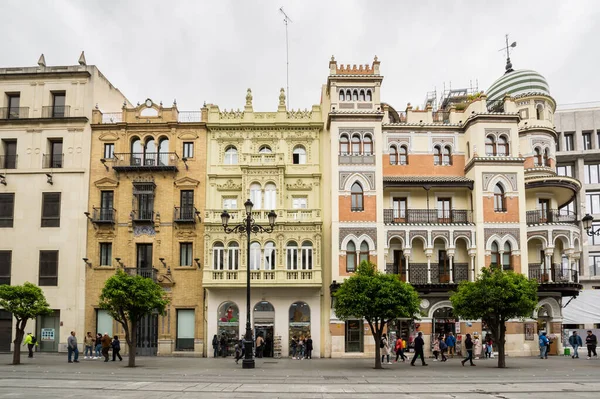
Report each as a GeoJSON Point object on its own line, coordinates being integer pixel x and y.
{"type": "Point", "coordinates": [20, 327]}
{"type": "Point", "coordinates": [501, 342]}
{"type": "Point", "coordinates": [377, 337]}
{"type": "Point", "coordinates": [132, 342]}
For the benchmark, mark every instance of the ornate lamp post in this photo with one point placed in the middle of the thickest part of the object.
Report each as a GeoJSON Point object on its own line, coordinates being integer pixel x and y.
{"type": "Point", "coordinates": [587, 225]}
{"type": "Point", "coordinates": [248, 226]}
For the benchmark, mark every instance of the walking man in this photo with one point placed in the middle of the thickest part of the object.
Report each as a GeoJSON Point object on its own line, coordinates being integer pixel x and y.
{"type": "Point", "coordinates": [259, 345]}
{"type": "Point", "coordinates": [451, 342]}
{"type": "Point", "coordinates": [106, 343]}
{"type": "Point", "coordinates": [72, 348]}
{"type": "Point", "coordinates": [544, 342]}
{"type": "Point", "coordinates": [575, 341]}
{"type": "Point", "coordinates": [30, 341]}
{"type": "Point", "coordinates": [591, 341]}
{"type": "Point", "coordinates": [469, 348]}
{"type": "Point", "coordinates": [89, 344]}
{"type": "Point", "coordinates": [309, 347]}
{"type": "Point", "coordinates": [419, 344]}
{"type": "Point", "coordinates": [116, 347]}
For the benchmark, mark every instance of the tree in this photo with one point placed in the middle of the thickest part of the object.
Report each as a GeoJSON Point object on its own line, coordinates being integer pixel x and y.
{"type": "Point", "coordinates": [25, 302]}
{"type": "Point", "coordinates": [496, 297]}
{"type": "Point", "coordinates": [128, 299]}
{"type": "Point", "coordinates": [377, 298]}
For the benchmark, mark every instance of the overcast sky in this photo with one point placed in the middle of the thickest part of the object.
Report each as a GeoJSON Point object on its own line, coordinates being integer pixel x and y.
{"type": "Point", "coordinates": [212, 51]}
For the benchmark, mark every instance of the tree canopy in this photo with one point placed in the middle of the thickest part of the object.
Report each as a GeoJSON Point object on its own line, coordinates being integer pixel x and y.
{"type": "Point", "coordinates": [128, 299]}
{"type": "Point", "coordinates": [496, 297]}
{"type": "Point", "coordinates": [376, 297]}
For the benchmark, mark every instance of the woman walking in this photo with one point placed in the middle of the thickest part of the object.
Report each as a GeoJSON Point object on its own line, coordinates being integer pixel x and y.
{"type": "Point", "coordinates": [436, 350]}
{"type": "Point", "coordinates": [469, 348]}
{"type": "Point", "coordinates": [399, 347]}
{"type": "Point", "coordinates": [385, 346]}
{"type": "Point", "coordinates": [478, 346]}
{"type": "Point", "coordinates": [116, 347]}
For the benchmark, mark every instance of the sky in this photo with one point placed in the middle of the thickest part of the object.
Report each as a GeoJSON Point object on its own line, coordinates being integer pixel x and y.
{"type": "Point", "coordinates": [212, 51]}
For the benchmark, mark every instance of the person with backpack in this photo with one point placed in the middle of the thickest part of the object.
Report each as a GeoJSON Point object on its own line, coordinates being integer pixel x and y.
{"type": "Point", "coordinates": [116, 348]}
{"type": "Point", "coordinates": [399, 348]}
{"type": "Point", "coordinates": [89, 342]}
{"type": "Point", "coordinates": [31, 342]}
{"type": "Point", "coordinates": [443, 347]}
{"type": "Point", "coordinates": [575, 341]}
{"type": "Point", "coordinates": [385, 349]}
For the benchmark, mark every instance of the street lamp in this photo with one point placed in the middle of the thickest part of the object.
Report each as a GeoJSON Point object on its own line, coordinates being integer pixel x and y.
{"type": "Point", "coordinates": [248, 226]}
{"type": "Point", "coordinates": [587, 221]}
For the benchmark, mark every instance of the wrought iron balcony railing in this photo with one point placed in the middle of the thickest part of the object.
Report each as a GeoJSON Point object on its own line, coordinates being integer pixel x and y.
{"type": "Point", "coordinates": [56, 111]}
{"type": "Point", "coordinates": [543, 216]}
{"type": "Point", "coordinates": [185, 214]}
{"type": "Point", "coordinates": [149, 161]}
{"type": "Point", "coordinates": [557, 273]}
{"type": "Point", "coordinates": [146, 272]}
{"type": "Point", "coordinates": [425, 216]}
{"type": "Point", "coordinates": [8, 161]}
{"type": "Point", "coordinates": [440, 274]}
{"type": "Point", "coordinates": [142, 215]}
{"type": "Point", "coordinates": [14, 113]}
{"type": "Point", "coordinates": [53, 161]}
{"type": "Point", "coordinates": [103, 215]}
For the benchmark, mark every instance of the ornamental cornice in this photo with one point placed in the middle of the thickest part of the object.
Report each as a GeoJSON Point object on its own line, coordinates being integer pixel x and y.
{"type": "Point", "coordinates": [229, 186]}
{"type": "Point", "coordinates": [299, 185]}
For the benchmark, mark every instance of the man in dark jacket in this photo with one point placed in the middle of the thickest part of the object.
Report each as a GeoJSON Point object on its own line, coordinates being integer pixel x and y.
{"type": "Point", "coordinates": [106, 343]}
{"type": "Point", "coordinates": [309, 347]}
{"type": "Point", "coordinates": [469, 348]}
{"type": "Point", "coordinates": [575, 342]}
{"type": "Point", "coordinates": [419, 344]}
{"type": "Point", "coordinates": [591, 341]}
{"type": "Point", "coordinates": [116, 348]}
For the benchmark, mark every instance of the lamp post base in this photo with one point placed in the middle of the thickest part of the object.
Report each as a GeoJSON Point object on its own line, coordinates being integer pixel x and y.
{"type": "Point", "coordinates": [248, 364]}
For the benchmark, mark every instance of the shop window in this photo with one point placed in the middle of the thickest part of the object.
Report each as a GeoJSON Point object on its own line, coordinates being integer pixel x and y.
{"type": "Point", "coordinates": [228, 324]}
{"type": "Point", "coordinates": [186, 321]}
{"type": "Point", "coordinates": [299, 322]}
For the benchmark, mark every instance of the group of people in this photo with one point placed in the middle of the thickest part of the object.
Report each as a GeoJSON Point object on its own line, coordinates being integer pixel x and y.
{"type": "Point", "coordinates": [576, 342]}
{"type": "Point", "coordinates": [94, 346]}
{"type": "Point", "coordinates": [301, 347]}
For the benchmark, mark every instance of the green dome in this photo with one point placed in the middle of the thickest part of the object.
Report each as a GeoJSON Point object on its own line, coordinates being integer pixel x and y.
{"type": "Point", "coordinates": [518, 82]}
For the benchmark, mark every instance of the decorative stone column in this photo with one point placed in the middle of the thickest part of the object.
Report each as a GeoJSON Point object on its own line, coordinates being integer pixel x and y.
{"type": "Point", "coordinates": [407, 259]}
{"type": "Point", "coordinates": [472, 275]}
{"type": "Point", "coordinates": [450, 260]}
{"type": "Point", "coordinates": [428, 253]}
{"type": "Point", "coordinates": [549, 252]}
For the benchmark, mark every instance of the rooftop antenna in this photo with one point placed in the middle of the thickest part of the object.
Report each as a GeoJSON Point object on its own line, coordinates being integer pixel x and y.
{"type": "Point", "coordinates": [507, 49]}
{"type": "Point", "coordinates": [286, 20]}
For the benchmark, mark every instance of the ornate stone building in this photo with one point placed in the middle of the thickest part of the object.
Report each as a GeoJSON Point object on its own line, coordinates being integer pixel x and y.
{"type": "Point", "coordinates": [274, 159]}
{"type": "Point", "coordinates": [146, 200]}
{"type": "Point", "coordinates": [434, 195]}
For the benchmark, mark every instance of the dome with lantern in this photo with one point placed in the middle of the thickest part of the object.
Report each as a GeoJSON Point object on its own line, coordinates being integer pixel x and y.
{"type": "Point", "coordinates": [516, 83]}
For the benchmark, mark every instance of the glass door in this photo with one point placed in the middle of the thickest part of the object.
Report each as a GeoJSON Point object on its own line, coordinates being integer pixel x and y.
{"type": "Point", "coordinates": [443, 266]}
{"type": "Point", "coordinates": [399, 209]}
{"type": "Point", "coordinates": [354, 336]}
{"type": "Point", "coordinates": [544, 210]}
{"type": "Point", "coordinates": [106, 205]}
{"type": "Point", "coordinates": [444, 210]}
{"type": "Point", "coordinates": [144, 256]}
{"type": "Point", "coordinates": [186, 199]}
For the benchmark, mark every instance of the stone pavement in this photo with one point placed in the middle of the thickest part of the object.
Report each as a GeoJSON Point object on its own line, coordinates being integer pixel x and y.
{"type": "Point", "coordinates": [50, 376]}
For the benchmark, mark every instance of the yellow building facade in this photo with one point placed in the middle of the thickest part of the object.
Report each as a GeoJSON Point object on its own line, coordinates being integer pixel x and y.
{"type": "Point", "coordinates": [146, 200]}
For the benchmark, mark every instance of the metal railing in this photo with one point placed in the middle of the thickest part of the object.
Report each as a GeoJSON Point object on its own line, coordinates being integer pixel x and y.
{"type": "Point", "coordinates": [420, 216]}
{"type": "Point", "coordinates": [189, 116]}
{"type": "Point", "coordinates": [185, 214]}
{"type": "Point", "coordinates": [146, 272]}
{"type": "Point", "coordinates": [14, 112]}
{"type": "Point", "coordinates": [557, 273]}
{"type": "Point", "coordinates": [103, 215]}
{"type": "Point", "coordinates": [495, 106]}
{"type": "Point", "coordinates": [112, 117]}
{"type": "Point", "coordinates": [148, 160]}
{"type": "Point", "coordinates": [8, 161]}
{"type": "Point", "coordinates": [417, 273]}
{"type": "Point", "coordinates": [56, 111]}
{"type": "Point", "coordinates": [441, 116]}
{"type": "Point", "coordinates": [542, 216]}
{"type": "Point", "coordinates": [53, 161]}
{"type": "Point", "coordinates": [142, 215]}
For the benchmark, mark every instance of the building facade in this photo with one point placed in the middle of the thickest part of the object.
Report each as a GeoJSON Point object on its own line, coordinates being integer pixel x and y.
{"type": "Point", "coordinates": [274, 159]}
{"type": "Point", "coordinates": [146, 199]}
{"type": "Point", "coordinates": [45, 114]}
{"type": "Point", "coordinates": [434, 195]}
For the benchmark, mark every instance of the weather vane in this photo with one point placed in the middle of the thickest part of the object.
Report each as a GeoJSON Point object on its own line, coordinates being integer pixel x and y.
{"type": "Point", "coordinates": [507, 48]}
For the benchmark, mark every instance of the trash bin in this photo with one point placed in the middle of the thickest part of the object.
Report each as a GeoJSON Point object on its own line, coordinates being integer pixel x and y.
{"type": "Point", "coordinates": [567, 352]}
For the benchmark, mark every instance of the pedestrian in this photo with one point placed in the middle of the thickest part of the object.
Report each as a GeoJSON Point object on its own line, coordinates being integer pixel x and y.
{"type": "Point", "coordinates": [89, 342]}
{"type": "Point", "coordinates": [385, 349]}
{"type": "Point", "coordinates": [260, 342]}
{"type": "Point", "coordinates": [294, 345]}
{"type": "Point", "coordinates": [98, 346]}
{"type": "Point", "coordinates": [419, 344]}
{"type": "Point", "coordinates": [300, 350]}
{"type": "Point", "coordinates": [469, 348]}
{"type": "Point", "coordinates": [544, 342]}
{"type": "Point", "coordinates": [591, 341]}
{"type": "Point", "coordinates": [478, 346]}
{"type": "Point", "coordinates": [238, 350]}
{"type": "Point", "coordinates": [309, 347]}
{"type": "Point", "coordinates": [436, 350]}
{"type": "Point", "coordinates": [223, 344]}
{"type": "Point", "coordinates": [106, 343]}
{"type": "Point", "coordinates": [489, 346]}
{"type": "Point", "coordinates": [451, 342]}
{"type": "Point", "coordinates": [575, 342]}
{"type": "Point", "coordinates": [443, 347]}
{"type": "Point", "coordinates": [399, 348]}
{"type": "Point", "coordinates": [215, 345]}
{"type": "Point", "coordinates": [268, 351]}
{"type": "Point", "coordinates": [31, 342]}
{"type": "Point", "coordinates": [116, 348]}
{"type": "Point", "coordinates": [72, 348]}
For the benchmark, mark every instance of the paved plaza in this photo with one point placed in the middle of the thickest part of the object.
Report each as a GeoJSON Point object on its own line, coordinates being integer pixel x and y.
{"type": "Point", "coordinates": [50, 376]}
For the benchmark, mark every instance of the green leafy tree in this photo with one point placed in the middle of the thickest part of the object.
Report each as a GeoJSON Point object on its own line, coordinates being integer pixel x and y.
{"type": "Point", "coordinates": [496, 297]}
{"type": "Point", "coordinates": [376, 297]}
{"type": "Point", "coordinates": [128, 299]}
{"type": "Point", "coordinates": [25, 302]}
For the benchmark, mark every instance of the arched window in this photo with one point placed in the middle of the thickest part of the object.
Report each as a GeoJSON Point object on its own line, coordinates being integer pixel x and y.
{"type": "Point", "coordinates": [231, 156]}
{"type": "Point", "coordinates": [369, 96]}
{"type": "Point", "coordinates": [490, 146]}
{"type": "Point", "coordinates": [269, 256]}
{"type": "Point", "coordinates": [163, 152]}
{"type": "Point", "coordinates": [292, 256]}
{"type": "Point", "coordinates": [355, 95]}
{"type": "Point", "coordinates": [307, 255]}
{"type": "Point", "coordinates": [270, 196]}
{"type": "Point", "coordinates": [537, 157]}
{"type": "Point", "coordinates": [402, 155]}
{"type": "Point", "coordinates": [150, 152]}
{"type": "Point", "coordinates": [356, 144]}
{"type": "Point", "coordinates": [256, 195]}
{"type": "Point", "coordinates": [393, 155]}
{"type": "Point", "coordinates": [137, 152]}
{"type": "Point", "coordinates": [367, 145]}
{"type": "Point", "coordinates": [218, 250]}
{"type": "Point", "coordinates": [350, 257]}
{"type": "Point", "coordinates": [495, 255]}
{"type": "Point", "coordinates": [364, 252]}
{"type": "Point", "coordinates": [299, 155]}
{"type": "Point", "coordinates": [265, 149]}
{"type": "Point", "coordinates": [233, 256]}
{"type": "Point", "coordinates": [342, 96]}
{"type": "Point", "coordinates": [547, 157]}
{"type": "Point", "coordinates": [254, 256]}
{"type": "Point", "coordinates": [447, 156]}
{"type": "Point", "coordinates": [506, 256]}
{"type": "Point", "coordinates": [437, 155]}
{"type": "Point", "coordinates": [539, 111]}
{"type": "Point", "coordinates": [348, 95]}
{"type": "Point", "coordinates": [503, 146]}
{"type": "Point", "coordinates": [361, 96]}
{"type": "Point", "coordinates": [344, 145]}
{"type": "Point", "coordinates": [499, 199]}
{"type": "Point", "coordinates": [357, 198]}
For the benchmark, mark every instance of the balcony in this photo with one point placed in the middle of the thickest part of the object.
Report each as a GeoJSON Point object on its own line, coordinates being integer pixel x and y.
{"type": "Point", "coordinates": [558, 278]}
{"type": "Point", "coordinates": [8, 161]}
{"type": "Point", "coordinates": [150, 162]}
{"type": "Point", "coordinates": [185, 214]}
{"type": "Point", "coordinates": [14, 113]}
{"type": "Point", "coordinates": [262, 216]}
{"type": "Point", "coordinates": [103, 215]}
{"type": "Point", "coordinates": [142, 215]}
{"type": "Point", "coordinates": [440, 275]}
{"type": "Point", "coordinates": [427, 216]}
{"type": "Point", "coordinates": [53, 161]}
{"type": "Point", "coordinates": [145, 272]}
{"type": "Point", "coordinates": [554, 216]}
{"type": "Point", "coordinates": [55, 111]}
{"type": "Point", "coordinates": [262, 278]}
